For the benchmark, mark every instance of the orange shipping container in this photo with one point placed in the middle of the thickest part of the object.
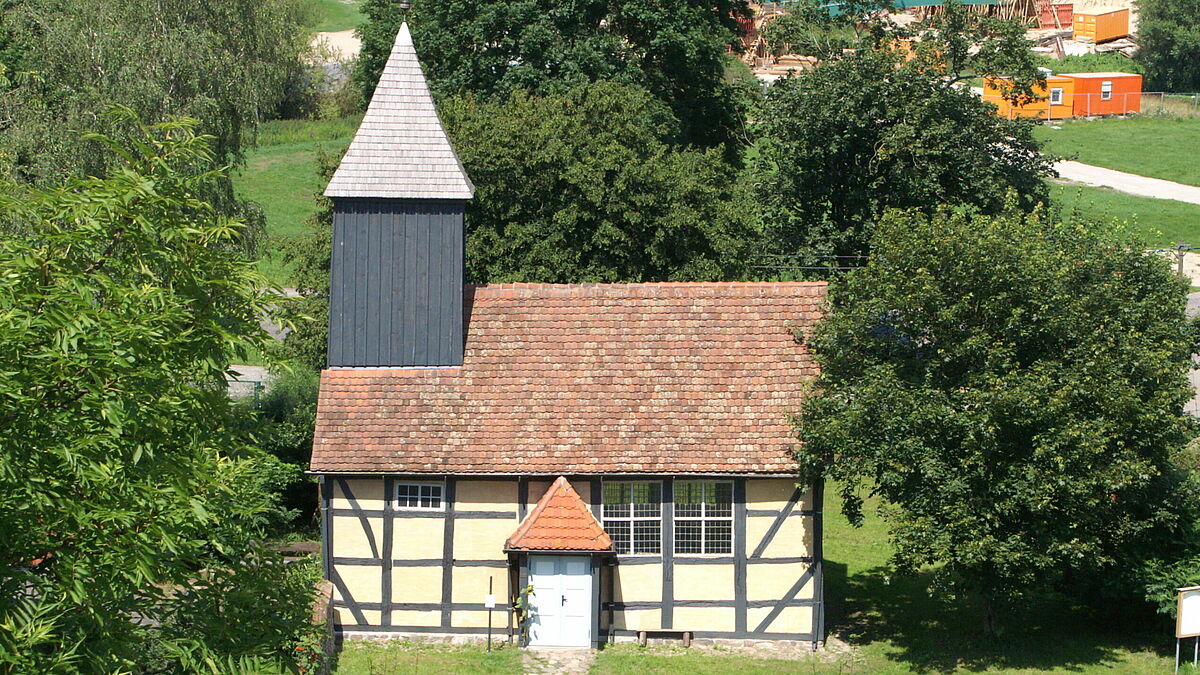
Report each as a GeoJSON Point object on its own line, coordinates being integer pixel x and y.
{"type": "Point", "coordinates": [1106, 93]}
{"type": "Point", "coordinates": [1101, 26]}
{"type": "Point", "coordinates": [1055, 100]}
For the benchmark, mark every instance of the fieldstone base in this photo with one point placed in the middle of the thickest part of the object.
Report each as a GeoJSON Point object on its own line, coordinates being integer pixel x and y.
{"type": "Point", "coordinates": [433, 638]}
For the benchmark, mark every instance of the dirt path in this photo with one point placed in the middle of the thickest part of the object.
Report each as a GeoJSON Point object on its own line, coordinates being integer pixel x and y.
{"type": "Point", "coordinates": [557, 661]}
{"type": "Point", "coordinates": [338, 46]}
{"type": "Point", "coordinates": [1127, 182]}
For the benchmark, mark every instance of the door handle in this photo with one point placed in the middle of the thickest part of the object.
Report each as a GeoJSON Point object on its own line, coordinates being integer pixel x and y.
{"type": "Point", "coordinates": [564, 599]}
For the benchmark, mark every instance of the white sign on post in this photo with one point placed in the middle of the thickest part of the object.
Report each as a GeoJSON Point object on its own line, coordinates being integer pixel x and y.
{"type": "Point", "coordinates": [1187, 623]}
{"type": "Point", "coordinates": [489, 601]}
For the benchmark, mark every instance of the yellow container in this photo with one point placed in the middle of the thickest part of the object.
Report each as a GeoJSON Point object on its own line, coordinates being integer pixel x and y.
{"type": "Point", "coordinates": [1055, 100]}
{"type": "Point", "coordinates": [1100, 26]}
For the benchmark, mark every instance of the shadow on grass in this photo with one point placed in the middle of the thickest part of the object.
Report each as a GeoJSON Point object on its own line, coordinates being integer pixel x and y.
{"type": "Point", "coordinates": [930, 634]}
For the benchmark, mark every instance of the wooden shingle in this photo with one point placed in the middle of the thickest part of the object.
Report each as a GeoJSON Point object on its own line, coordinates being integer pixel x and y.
{"type": "Point", "coordinates": [401, 150]}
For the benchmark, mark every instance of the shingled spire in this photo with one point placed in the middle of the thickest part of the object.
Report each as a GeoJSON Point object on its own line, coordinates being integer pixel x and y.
{"type": "Point", "coordinates": [396, 276]}
{"type": "Point", "coordinates": [401, 150]}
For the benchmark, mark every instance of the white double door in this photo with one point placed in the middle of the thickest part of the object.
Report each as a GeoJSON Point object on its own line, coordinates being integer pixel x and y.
{"type": "Point", "coordinates": [561, 605]}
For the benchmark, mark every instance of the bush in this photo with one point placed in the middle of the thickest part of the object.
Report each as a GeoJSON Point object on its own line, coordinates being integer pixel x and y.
{"type": "Point", "coordinates": [1091, 63]}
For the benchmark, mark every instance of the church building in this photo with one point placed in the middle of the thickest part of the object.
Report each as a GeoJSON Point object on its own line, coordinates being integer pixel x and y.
{"type": "Point", "coordinates": [616, 458]}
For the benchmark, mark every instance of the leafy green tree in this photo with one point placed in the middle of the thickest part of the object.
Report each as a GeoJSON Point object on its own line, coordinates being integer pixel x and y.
{"type": "Point", "coordinates": [1169, 44]}
{"type": "Point", "coordinates": [585, 187]}
{"type": "Point", "coordinates": [1012, 387]}
{"type": "Point", "coordinates": [123, 469]}
{"type": "Point", "coordinates": [284, 420]}
{"type": "Point", "coordinates": [226, 62]}
{"type": "Point", "coordinates": [492, 48]}
{"type": "Point", "coordinates": [866, 132]}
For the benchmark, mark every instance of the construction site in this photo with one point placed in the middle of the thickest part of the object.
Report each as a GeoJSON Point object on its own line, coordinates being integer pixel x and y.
{"type": "Point", "coordinates": [1056, 29]}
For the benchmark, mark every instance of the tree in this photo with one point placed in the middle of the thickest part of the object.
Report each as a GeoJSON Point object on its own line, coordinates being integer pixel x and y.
{"type": "Point", "coordinates": [1169, 44]}
{"type": "Point", "coordinates": [128, 494]}
{"type": "Point", "coordinates": [863, 133]}
{"type": "Point", "coordinates": [309, 255]}
{"type": "Point", "coordinates": [226, 62]}
{"type": "Point", "coordinates": [492, 48]}
{"type": "Point", "coordinates": [585, 187]}
{"type": "Point", "coordinates": [1012, 387]}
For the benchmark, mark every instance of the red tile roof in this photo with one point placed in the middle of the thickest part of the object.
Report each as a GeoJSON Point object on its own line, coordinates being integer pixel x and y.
{"type": "Point", "coordinates": [561, 521]}
{"type": "Point", "coordinates": [603, 378]}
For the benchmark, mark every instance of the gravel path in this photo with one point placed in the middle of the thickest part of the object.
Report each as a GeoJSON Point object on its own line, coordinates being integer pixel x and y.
{"type": "Point", "coordinates": [1127, 182]}
{"type": "Point", "coordinates": [557, 661]}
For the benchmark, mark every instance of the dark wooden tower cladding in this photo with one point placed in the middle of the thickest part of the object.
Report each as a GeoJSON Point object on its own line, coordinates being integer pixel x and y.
{"type": "Point", "coordinates": [396, 277]}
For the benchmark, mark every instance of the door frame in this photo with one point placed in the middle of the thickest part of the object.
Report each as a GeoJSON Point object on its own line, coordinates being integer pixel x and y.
{"type": "Point", "coordinates": [522, 564]}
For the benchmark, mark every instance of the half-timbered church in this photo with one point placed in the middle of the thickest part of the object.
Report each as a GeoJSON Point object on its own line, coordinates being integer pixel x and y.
{"type": "Point", "coordinates": [619, 455]}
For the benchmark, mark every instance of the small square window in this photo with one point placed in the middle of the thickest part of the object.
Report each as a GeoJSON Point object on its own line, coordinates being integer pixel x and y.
{"type": "Point", "coordinates": [419, 496]}
{"type": "Point", "coordinates": [1106, 90]}
{"type": "Point", "coordinates": [1056, 96]}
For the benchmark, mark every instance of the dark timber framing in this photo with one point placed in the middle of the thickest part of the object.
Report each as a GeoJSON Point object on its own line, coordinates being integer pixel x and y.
{"type": "Point", "coordinates": [779, 520]}
{"type": "Point", "coordinates": [384, 557]}
{"type": "Point", "coordinates": [325, 488]}
{"type": "Point", "coordinates": [739, 555]}
{"type": "Point", "coordinates": [389, 512]}
{"type": "Point", "coordinates": [448, 552]}
{"type": "Point", "coordinates": [667, 616]}
{"type": "Point", "coordinates": [818, 565]}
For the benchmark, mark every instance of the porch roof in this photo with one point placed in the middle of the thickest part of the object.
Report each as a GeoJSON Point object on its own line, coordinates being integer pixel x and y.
{"type": "Point", "coordinates": [560, 521]}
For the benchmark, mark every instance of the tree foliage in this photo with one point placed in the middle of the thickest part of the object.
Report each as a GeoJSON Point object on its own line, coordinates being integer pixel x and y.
{"type": "Point", "coordinates": [585, 187]}
{"type": "Point", "coordinates": [1169, 44]}
{"type": "Point", "coordinates": [1012, 387]}
{"type": "Point", "coordinates": [492, 48]}
{"type": "Point", "coordinates": [226, 62]}
{"type": "Point", "coordinates": [123, 469]}
{"type": "Point", "coordinates": [309, 255]}
{"type": "Point", "coordinates": [868, 131]}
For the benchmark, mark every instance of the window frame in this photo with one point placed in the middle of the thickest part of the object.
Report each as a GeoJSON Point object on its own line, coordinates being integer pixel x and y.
{"type": "Point", "coordinates": [1056, 95]}
{"type": "Point", "coordinates": [1106, 90]}
{"type": "Point", "coordinates": [441, 495]}
{"type": "Point", "coordinates": [703, 518]}
{"type": "Point", "coordinates": [632, 518]}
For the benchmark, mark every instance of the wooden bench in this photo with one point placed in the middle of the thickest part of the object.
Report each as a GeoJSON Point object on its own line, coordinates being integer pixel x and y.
{"type": "Point", "coordinates": [685, 636]}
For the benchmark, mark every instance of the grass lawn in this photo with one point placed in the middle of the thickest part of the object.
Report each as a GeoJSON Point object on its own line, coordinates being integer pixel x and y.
{"type": "Point", "coordinates": [1162, 222]}
{"type": "Point", "coordinates": [895, 625]}
{"type": "Point", "coordinates": [281, 175]}
{"type": "Point", "coordinates": [334, 15]}
{"type": "Point", "coordinates": [1160, 147]}
{"type": "Point", "coordinates": [365, 658]}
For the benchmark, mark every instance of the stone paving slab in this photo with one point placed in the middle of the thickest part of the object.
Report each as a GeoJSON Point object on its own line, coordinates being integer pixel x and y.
{"type": "Point", "coordinates": [557, 660]}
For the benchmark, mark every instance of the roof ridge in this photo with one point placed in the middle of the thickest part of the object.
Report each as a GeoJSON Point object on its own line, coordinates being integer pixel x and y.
{"type": "Point", "coordinates": [643, 289]}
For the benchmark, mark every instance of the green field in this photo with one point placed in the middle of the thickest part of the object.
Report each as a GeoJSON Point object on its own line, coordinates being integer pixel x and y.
{"type": "Point", "coordinates": [280, 174]}
{"type": "Point", "coordinates": [1157, 146]}
{"type": "Point", "coordinates": [1161, 222]}
{"type": "Point", "coordinates": [334, 15]}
